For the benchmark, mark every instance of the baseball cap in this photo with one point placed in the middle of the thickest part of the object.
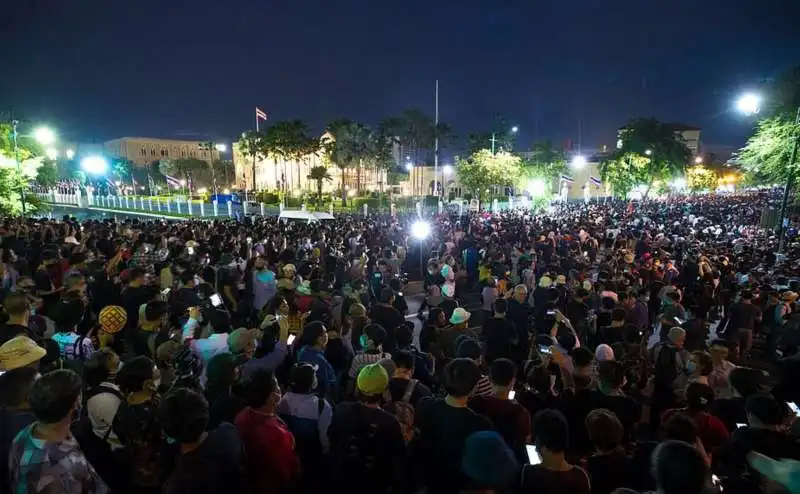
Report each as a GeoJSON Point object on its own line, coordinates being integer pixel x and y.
{"type": "Point", "coordinates": [372, 379]}
{"type": "Point", "coordinates": [460, 315]}
{"type": "Point", "coordinates": [239, 340]}
{"type": "Point", "coordinates": [19, 352]}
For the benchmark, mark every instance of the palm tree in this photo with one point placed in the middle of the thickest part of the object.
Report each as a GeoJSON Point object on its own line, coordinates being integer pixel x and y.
{"type": "Point", "coordinates": [335, 145]}
{"type": "Point", "coordinates": [319, 174]}
{"type": "Point", "coordinates": [252, 144]}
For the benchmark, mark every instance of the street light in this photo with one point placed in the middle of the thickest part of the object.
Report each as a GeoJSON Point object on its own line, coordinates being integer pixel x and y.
{"type": "Point", "coordinates": [698, 160]}
{"type": "Point", "coordinates": [94, 165]}
{"type": "Point", "coordinates": [749, 104]}
{"type": "Point", "coordinates": [512, 130]}
{"type": "Point", "coordinates": [70, 154]}
{"type": "Point", "coordinates": [44, 136]}
{"type": "Point", "coordinates": [221, 148]}
{"type": "Point", "coordinates": [536, 187]}
{"type": "Point", "coordinates": [447, 169]}
{"type": "Point", "coordinates": [578, 162]}
{"type": "Point", "coordinates": [648, 152]}
{"type": "Point", "coordinates": [420, 230]}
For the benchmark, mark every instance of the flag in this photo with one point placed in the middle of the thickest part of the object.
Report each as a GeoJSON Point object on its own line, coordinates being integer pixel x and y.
{"type": "Point", "coordinates": [172, 181]}
{"type": "Point", "coordinates": [595, 181]}
{"type": "Point", "coordinates": [260, 114]}
{"type": "Point", "coordinates": [567, 179]}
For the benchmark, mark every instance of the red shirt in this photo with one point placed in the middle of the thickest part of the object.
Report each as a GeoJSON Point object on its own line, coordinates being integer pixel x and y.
{"type": "Point", "coordinates": [271, 462]}
{"type": "Point", "coordinates": [711, 430]}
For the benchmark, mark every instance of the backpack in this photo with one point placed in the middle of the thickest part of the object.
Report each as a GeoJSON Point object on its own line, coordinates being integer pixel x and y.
{"type": "Point", "coordinates": [402, 409]}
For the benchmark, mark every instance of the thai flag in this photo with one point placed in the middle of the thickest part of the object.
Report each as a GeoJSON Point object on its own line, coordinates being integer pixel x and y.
{"type": "Point", "coordinates": [174, 182]}
{"type": "Point", "coordinates": [595, 181]}
{"type": "Point", "coordinates": [567, 179]}
{"type": "Point", "coordinates": [261, 114]}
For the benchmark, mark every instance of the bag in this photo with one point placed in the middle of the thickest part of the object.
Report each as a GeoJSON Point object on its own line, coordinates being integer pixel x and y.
{"type": "Point", "coordinates": [403, 409]}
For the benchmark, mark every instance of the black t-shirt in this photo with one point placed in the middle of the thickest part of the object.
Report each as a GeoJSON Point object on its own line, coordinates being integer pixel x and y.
{"type": "Point", "coordinates": [223, 409]}
{"type": "Point", "coordinates": [44, 283]}
{"type": "Point", "coordinates": [397, 388]}
{"type": "Point", "coordinates": [608, 472]}
{"type": "Point", "coordinates": [365, 445]}
{"type": "Point", "coordinates": [388, 317]}
{"type": "Point", "coordinates": [132, 299]}
{"type": "Point", "coordinates": [744, 316]}
{"type": "Point", "coordinates": [213, 468]}
{"type": "Point", "coordinates": [625, 408]}
{"type": "Point", "coordinates": [9, 331]}
{"type": "Point", "coordinates": [537, 479]}
{"type": "Point", "coordinates": [443, 430]}
{"type": "Point", "coordinates": [499, 334]}
{"type": "Point", "coordinates": [511, 420]}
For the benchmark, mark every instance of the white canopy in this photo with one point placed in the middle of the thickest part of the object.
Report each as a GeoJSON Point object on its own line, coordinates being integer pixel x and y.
{"type": "Point", "coordinates": [295, 214]}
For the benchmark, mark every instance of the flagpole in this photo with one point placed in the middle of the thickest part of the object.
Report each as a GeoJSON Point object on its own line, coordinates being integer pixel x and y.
{"type": "Point", "coordinates": [436, 146]}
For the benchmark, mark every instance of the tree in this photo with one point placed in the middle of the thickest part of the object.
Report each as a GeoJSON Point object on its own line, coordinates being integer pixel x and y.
{"type": "Point", "coordinates": [651, 151]}
{"type": "Point", "coordinates": [288, 140]}
{"type": "Point", "coordinates": [225, 170]}
{"type": "Point", "coordinates": [252, 144]}
{"type": "Point", "coordinates": [701, 178]}
{"type": "Point", "coordinates": [319, 174]}
{"type": "Point", "coordinates": [194, 170]}
{"type": "Point", "coordinates": [545, 161]}
{"type": "Point", "coordinates": [483, 170]}
{"type": "Point", "coordinates": [14, 181]}
{"type": "Point", "coordinates": [416, 132]}
{"type": "Point", "coordinates": [337, 147]}
{"type": "Point", "coordinates": [47, 174]}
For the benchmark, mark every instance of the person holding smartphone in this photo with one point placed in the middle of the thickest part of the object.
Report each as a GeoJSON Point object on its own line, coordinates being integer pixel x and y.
{"type": "Point", "coordinates": [554, 473]}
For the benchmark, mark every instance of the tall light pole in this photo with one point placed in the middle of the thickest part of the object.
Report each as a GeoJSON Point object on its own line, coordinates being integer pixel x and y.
{"type": "Point", "coordinates": [512, 130]}
{"type": "Point", "coordinates": [44, 136]}
{"type": "Point", "coordinates": [749, 104]}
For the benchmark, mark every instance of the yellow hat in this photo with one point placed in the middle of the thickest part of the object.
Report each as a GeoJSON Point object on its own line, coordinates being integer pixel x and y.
{"type": "Point", "coordinates": [20, 351]}
{"type": "Point", "coordinates": [112, 319]}
{"type": "Point", "coordinates": [372, 380]}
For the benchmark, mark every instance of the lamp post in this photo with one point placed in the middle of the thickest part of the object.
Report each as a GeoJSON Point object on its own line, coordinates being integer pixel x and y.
{"type": "Point", "coordinates": [43, 136]}
{"type": "Point", "coordinates": [512, 130]}
{"type": "Point", "coordinates": [420, 230]}
{"type": "Point", "coordinates": [750, 104]}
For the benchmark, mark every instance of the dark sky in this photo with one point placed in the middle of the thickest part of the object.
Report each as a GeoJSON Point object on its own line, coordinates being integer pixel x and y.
{"type": "Point", "coordinates": [103, 69]}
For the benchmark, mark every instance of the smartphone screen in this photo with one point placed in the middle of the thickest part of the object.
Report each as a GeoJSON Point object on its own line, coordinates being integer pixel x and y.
{"type": "Point", "coordinates": [551, 313]}
{"type": "Point", "coordinates": [216, 300]}
{"type": "Point", "coordinates": [533, 455]}
{"type": "Point", "coordinates": [290, 339]}
{"type": "Point", "coordinates": [165, 292]}
{"type": "Point", "coordinates": [794, 408]}
{"type": "Point", "coordinates": [739, 426]}
{"type": "Point", "coordinates": [544, 349]}
{"type": "Point", "coordinates": [511, 394]}
{"type": "Point", "coordinates": [190, 250]}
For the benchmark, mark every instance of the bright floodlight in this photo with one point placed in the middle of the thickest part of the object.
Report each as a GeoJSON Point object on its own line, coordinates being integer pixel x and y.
{"type": "Point", "coordinates": [698, 160]}
{"type": "Point", "coordinates": [536, 187]}
{"type": "Point", "coordinates": [409, 166]}
{"type": "Point", "coordinates": [749, 103]}
{"type": "Point", "coordinates": [182, 182]}
{"type": "Point", "coordinates": [515, 129]}
{"type": "Point", "coordinates": [578, 162]}
{"type": "Point", "coordinates": [648, 152]}
{"type": "Point", "coordinates": [221, 148]}
{"type": "Point", "coordinates": [95, 165]}
{"type": "Point", "coordinates": [52, 153]}
{"type": "Point", "coordinates": [226, 191]}
{"type": "Point", "coordinates": [679, 183]}
{"type": "Point", "coordinates": [420, 229]}
{"type": "Point", "coordinates": [447, 169]}
{"type": "Point", "coordinates": [70, 154]}
{"type": "Point", "coordinates": [44, 136]}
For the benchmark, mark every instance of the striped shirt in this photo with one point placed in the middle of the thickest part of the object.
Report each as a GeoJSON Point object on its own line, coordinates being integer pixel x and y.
{"type": "Point", "coordinates": [361, 360]}
{"type": "Point", "coordinates": [483, 388]}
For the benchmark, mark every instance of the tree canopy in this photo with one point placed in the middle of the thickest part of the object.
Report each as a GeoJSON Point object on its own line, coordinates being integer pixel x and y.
{"type": "Point", "coordinates": [650, 151]}
{"type": "Point", "coordinates": [545, 161]}
{"type": "Point", "coordinates": [483, 170]}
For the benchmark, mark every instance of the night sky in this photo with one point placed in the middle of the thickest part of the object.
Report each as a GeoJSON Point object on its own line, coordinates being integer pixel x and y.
{"type": "Point", "coordinates": [180, 68]}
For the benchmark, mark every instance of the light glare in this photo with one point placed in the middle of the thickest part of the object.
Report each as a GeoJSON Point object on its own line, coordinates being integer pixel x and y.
{"type": "Point", "coordinates": [221, 148]}
{"type": "Point", "coordinates": [44, 136]}
{"type": "Point", "coordinates": [578, 162]}
{"type": "Point", "coordinates": [52, 153]}
{"type": "Point", "coordinates": [447, 170]}
{"type": "Point", "coordinates": [95, 165]}
{"type": "Point", "coordinates": [420, 230]}
{"type": "Point", "coordinates": [536, 187]}
{"type": "Point", "coordinates": [749, 103]}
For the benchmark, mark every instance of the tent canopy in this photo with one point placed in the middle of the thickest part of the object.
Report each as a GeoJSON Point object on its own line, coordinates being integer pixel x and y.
{"type": "Point", "coordinates": [309, 216]}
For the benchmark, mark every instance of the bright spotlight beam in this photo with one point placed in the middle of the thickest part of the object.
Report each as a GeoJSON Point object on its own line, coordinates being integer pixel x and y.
{"type": "Point", "coordinates": [420, 229]}
{"type": "Point", "coordinates": [44, 136]}
{"type": "Point", "coordinates": [578, 162]}
{"type": "Point", "coordinates": [749, 103]}
{"type": "Point", "coordinates": [94, 165]}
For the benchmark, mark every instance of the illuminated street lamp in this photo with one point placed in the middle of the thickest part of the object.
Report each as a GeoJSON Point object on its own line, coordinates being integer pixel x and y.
{"type": "Point", "coordinates": [447, 169]}
{"type": "Point", "coordinates": [94, 165]}
{"type": "Point", "coordinates": [698, 160]}
{"type": "Point", "coordinates": [221, 147]}
{"type": "Point", "coordinates": [648, 152]}
{"type": "Point", "coordinates": [512, 130]}
{"type": "Point", "coordinates": [749, 104]}
{"type": "Point", "coordinates": [578, 162]}
{"type": "Point", "coordinates": [43, 136]}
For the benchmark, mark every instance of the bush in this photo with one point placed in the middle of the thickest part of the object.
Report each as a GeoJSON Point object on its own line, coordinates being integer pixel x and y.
{"type": "Point", "coordinates": [268, 197]}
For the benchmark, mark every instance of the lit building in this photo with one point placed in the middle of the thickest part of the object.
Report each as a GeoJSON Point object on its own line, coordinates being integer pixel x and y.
{"type": "Point", "coordinates": [279, 173]}
{"type": "Point", "coordinates": [144, 150]}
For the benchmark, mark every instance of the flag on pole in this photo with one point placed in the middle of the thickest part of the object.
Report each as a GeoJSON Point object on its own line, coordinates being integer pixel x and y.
{"type": "Point", "coordinates": [261, 114]}
{"type": "Point", "coordinates": [595, 181]}
{"type": "Point", "coordinates": [567, 179]}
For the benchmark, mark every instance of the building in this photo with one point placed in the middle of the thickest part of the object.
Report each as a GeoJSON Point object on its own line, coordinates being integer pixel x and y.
{"type": "Point", "coordinates": [142, 151]}
{"type": "Point", "coordinates": [279, 173]}
{"type": "Point", "coordinates": [689, 134]}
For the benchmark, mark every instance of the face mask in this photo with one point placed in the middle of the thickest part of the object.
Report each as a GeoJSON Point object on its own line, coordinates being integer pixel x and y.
{"type": "Point", "coordinates": [691, 366]}
{"type": "Point", "coordinates": [363, 341]}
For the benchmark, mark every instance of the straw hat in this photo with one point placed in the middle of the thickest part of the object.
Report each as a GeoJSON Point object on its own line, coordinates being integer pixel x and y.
{"type": "Point", "coordinates": [20, 351]}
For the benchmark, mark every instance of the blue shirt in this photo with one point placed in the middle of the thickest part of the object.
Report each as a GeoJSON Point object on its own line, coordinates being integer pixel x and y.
{"type": "Point", "coordinates": [326, 376]}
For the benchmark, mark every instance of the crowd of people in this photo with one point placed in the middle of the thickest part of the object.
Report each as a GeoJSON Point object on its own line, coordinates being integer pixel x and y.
{"type": "Point", "coordinates": [600, 347]}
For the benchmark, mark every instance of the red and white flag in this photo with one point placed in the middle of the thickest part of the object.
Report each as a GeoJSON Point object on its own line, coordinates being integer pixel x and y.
{"type": "Point", "coordinates": [261, 114]}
